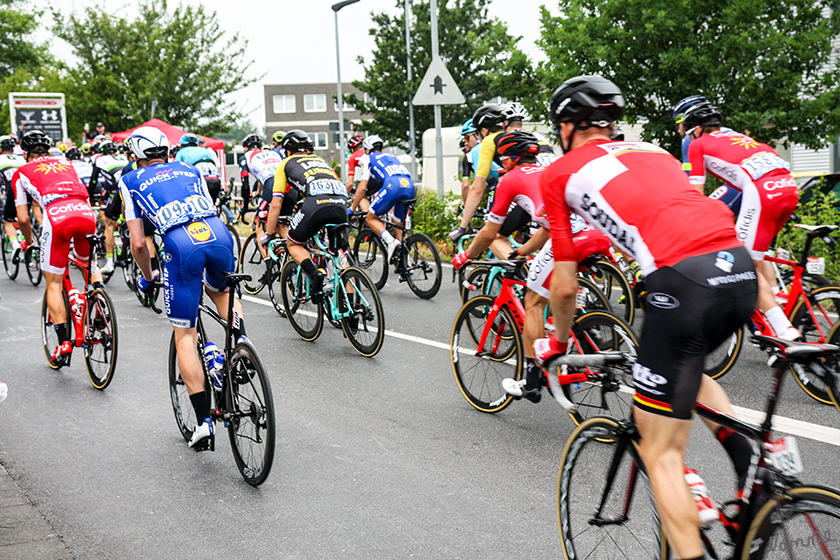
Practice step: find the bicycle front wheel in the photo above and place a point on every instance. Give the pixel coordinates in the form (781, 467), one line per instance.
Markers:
(721, 359)
(611, 391)
(9, 257)
(805, 524)
(602, 517)
(32, 259)
(479, 370)
(816, 326)
(251, 426)
(275, 293)
(49, 338)
(100, 339)
(251, 263)
(365, 328)
(475, 277)
(370, 255)
(422, 266)
(305, 316)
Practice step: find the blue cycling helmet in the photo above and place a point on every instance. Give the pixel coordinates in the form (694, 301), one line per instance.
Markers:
(684, 104)
(467, 127)
(188, 139)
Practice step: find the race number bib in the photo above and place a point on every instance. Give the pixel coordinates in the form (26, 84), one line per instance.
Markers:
(177, 212)
(762, 163)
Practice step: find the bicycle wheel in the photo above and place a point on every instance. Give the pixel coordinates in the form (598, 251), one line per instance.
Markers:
(591, 299)
(612, 394)
(422, 266)
(479, 370)
(365, 328)
(274, 290)
(100, 339)
(370, 255)
(475, 277)
(305, 316)
(721, 359)
(8, 258)
(237, 242)
(127, 266)
(815, 326)
(613, 284)
(32, 261)
(49, 338)
(251, 263)
(251, 427)
(178, 393)
(602, 517)
(804, 524)
(136, 275)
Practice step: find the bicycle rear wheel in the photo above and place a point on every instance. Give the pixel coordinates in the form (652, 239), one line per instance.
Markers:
(370, 255)
(612, 393)
(32, 260)
(100, 339)
(365, 328)
(8, 258)
(237, 242)
(422, 266)
(305, 316)
(613, 284)
(49, 338)
(805, 524)
(251, 263)
(479, 371)
(251, 427)
(815, 326)
(178, 393)
(598, 522)
(275, 293)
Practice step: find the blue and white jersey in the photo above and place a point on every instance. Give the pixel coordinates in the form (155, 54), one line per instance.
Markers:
(382, 166)
(169, 194)
(202, 158)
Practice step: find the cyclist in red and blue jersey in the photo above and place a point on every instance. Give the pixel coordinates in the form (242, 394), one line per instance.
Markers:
(198, 247)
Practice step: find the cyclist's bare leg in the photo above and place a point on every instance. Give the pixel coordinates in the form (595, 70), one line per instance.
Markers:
(55, 298)
(186, 345)
(220, 300)
(534, 326)
(766, 282)
(712, 394)
(109, 236)
(662, 447)
(297, 252)
(260, 232)
(11, 232)
(378, 227)
(36, 210)
(501, 247)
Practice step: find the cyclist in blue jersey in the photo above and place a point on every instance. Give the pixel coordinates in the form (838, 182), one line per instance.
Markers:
(204, 160)
(174, 197)
(397, 187)
(277, 138)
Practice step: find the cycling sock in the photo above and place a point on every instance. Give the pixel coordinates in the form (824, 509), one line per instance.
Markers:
(533, 374)
(386, 237)
(110, 257)
(701, 557)
(739, 449)
(61, 331)
(200, 405)
(309, 268)
(777, 319)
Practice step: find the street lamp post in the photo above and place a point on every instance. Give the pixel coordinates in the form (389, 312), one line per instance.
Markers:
(335, 8)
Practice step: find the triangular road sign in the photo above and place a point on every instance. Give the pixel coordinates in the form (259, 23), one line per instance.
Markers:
(438, 87)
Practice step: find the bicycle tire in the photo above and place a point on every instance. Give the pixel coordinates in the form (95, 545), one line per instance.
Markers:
(137, 274)
(832, 364)
(251, 428)
(807, 516)
(365, 329)
(251, 263)
(613, 284)
(591, 299)
(298, 304)
(583, 473)
(100, 339)
(613, 396)
(49, 338)
(476, 278)
(825, 302)
(370, 255)
(421, 262)
(127, 266)
(8, 257)
(32, 260)
(720, 360)
(479, 377)
(178, 392)
(237, 242)
(274, 290)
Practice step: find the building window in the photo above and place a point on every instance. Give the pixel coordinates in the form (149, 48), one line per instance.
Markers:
(315, 103)
(319, 140)
(284, 103)
(347, 107)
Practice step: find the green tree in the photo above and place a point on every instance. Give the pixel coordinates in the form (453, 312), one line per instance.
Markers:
(472, 45)
(18, 19)
(763, 62)
(176, 63)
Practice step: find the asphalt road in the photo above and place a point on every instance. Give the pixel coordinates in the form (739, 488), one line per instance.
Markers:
(375, 458)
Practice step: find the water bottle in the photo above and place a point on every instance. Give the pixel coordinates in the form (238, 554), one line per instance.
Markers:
(118, 242)
(342, 258)
(215, 360)
(75, 302)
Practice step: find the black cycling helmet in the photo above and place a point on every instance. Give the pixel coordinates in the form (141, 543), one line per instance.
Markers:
(683, 105)
(701, 114)
(585, 101)
(252, 141)
(296, 141)
(73, 153)
(354, 142)
(491, 117)
(33, 139)
(7, 143)
(617, 135)
(516, 144)
(108, 147)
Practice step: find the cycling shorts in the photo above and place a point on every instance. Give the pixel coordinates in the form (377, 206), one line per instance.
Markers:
(113, 207)
(316, 212)
(148, 227)
(9, 209)
(691, 308)
(394, 191)
(67, 220)
(214, 187)
(516, 219)
(587, 242)
(766, 205)
(201, 249)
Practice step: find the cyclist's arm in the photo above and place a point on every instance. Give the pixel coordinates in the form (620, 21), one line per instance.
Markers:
(483, 240)
(22, 208)
(281, 187)
(476, 192)
(535, 243)
(697, 166)
(139, 248)
(360, 194)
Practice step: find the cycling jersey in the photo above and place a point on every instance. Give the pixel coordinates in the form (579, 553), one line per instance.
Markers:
(83, 170)
(308, 174)
(262, 164)
(202, 158)
(8, 164)
(110, 169)
(465, 168)
(545, 151)
(494, 168)
(487, 155)
(522, 187)
(354, 162)
(279, 151)
(397, 186)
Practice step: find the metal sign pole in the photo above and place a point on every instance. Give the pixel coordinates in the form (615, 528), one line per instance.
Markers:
(438, 138)
(411, 147)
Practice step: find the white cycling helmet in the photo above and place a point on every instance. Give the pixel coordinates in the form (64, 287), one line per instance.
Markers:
(372, 142)
(514, 111)
(147, 142)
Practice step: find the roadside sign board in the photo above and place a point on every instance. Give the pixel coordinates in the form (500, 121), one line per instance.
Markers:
(41, 111)
(438, 87)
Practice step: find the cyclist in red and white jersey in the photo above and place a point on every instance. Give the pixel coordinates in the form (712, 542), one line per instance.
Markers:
(520, 188)
(262, 164)
(769, 194)
(354, 144)
(53, 183)
(701, 282)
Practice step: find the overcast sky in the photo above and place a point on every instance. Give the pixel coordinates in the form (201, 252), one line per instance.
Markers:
(306, 29)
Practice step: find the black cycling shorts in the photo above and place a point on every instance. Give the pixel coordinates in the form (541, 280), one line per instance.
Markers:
(316, 212)
(214, 187)
(9, 210)
(692, 307)
(113, 208)
(148, 226)
(516, 219)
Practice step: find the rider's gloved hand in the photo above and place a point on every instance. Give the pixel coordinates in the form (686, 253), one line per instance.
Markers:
(459, 260)
(264, 240)
(350, 212)
(515, 255)
(547, 348)
(457, 234)
(146, 286)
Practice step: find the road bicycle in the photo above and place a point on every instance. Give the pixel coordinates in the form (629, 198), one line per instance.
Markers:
(91, 324)
(264, 271)
(605, 506)
(12, 258)
(122, 256)
(229, 219)
(486, 347)
(811, 310)
(348, 299)
(416, 262)
(158, 257)
(244, 403)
